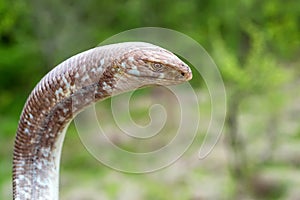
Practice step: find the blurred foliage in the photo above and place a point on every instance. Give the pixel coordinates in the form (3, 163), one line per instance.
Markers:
(256, 45)
(35, 35)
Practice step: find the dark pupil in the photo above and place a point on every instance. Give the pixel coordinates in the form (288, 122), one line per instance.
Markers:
(157, 67)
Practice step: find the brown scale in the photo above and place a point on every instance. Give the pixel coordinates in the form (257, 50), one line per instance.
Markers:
(52, 105)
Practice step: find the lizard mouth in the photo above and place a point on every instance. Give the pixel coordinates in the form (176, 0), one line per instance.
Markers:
(178, 76)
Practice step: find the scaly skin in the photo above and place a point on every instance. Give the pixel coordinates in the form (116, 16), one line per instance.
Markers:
(83, 79)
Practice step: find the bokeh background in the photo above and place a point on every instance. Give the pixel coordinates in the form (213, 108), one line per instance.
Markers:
(255, 44)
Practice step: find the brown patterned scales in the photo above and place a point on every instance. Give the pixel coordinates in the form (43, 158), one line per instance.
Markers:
(71, 86)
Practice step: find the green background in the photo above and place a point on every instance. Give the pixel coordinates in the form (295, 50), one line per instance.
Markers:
(254, 43)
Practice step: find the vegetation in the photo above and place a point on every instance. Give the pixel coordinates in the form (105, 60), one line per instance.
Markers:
(254, 43)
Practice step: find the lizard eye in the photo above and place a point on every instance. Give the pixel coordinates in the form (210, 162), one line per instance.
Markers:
(157, 67)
